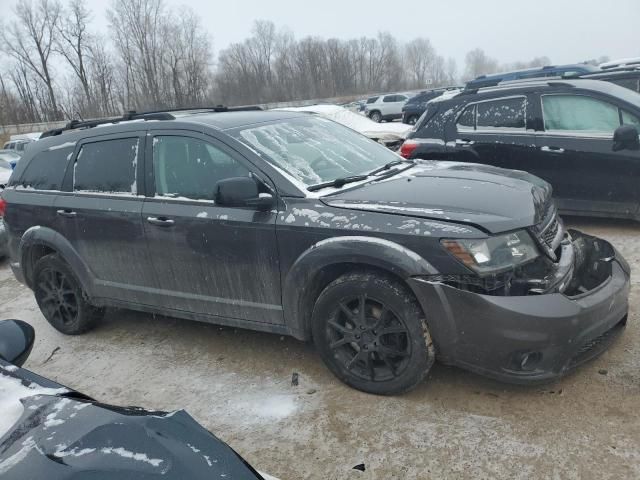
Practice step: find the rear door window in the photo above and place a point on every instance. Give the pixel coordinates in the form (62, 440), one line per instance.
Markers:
(508, 113)
(579, 113)
(46, 169)
(107, 166)
(189, 167)
(467, 119)
(390, 98)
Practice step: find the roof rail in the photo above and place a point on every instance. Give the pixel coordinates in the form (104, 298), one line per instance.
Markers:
(166, 114)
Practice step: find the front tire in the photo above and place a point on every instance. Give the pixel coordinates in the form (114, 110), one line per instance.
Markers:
(61, 298)
(412, 119)
(371, 333)
(376, 116)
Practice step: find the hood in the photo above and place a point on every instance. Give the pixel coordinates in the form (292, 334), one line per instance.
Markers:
(5, 174)
(493, 199)
(62, 434)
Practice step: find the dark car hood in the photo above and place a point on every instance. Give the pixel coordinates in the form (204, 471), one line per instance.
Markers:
(67, 436)
(490, 198)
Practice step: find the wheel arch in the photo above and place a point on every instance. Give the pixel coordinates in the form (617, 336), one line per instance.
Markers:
(38, 241)
(330, 258)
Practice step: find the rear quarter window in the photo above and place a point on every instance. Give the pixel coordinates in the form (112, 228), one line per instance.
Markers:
(107, 166)
(45, 170)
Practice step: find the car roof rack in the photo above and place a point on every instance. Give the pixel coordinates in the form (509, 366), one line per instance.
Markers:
(165, 114)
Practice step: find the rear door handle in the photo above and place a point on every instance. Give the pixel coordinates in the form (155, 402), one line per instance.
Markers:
(546, 148)
(67, 213)
(461, 142)
(160, 221)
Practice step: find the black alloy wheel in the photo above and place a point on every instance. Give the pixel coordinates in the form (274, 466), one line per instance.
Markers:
(369, 339)
(60, 297)
(371, 332)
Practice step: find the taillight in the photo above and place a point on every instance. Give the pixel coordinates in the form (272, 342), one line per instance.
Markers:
(407, 148)
(3, 206)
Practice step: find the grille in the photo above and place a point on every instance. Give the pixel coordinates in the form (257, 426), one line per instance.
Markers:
(549, 233)
(597, 345)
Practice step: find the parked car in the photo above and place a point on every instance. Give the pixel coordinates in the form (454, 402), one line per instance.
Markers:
(548, 71)
(17, 145)
(390, 135)
(628, 77)
(10, 156)
(415, 106)
(293, 224)
(579, 135)
(50, 431)
(385, 107)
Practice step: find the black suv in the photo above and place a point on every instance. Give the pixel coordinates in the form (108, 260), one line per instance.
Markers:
(627, 77)
(416, 106)
(579, 135)
(293, 224)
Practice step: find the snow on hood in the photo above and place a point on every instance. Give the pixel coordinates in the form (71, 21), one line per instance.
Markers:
(384, 131)
(11, 392)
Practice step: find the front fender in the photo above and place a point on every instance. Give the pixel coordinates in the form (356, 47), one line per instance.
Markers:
(366, 251)
(44, 236)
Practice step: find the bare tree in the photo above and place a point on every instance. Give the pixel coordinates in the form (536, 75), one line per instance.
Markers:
(478, 63)
(30, 41)
(419, 58)
(73, 44)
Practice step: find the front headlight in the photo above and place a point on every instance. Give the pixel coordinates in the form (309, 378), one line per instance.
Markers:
(494, 254)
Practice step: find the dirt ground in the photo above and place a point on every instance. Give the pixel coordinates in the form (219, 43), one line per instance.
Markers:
(455, 425)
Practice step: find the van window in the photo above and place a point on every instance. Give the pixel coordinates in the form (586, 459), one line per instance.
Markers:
(504, 113)
(189, 167)
(107, 166)
(45, 170)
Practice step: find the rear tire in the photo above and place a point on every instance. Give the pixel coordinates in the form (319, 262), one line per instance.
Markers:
(60, 297)
(371, 332)
(376, 116)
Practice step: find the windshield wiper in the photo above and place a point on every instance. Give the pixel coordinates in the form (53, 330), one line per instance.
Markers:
(387, 166)
(338, 182)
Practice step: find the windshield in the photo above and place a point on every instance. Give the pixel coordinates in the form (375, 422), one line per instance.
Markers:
(314, 150)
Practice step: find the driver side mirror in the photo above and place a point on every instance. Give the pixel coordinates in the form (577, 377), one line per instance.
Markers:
(242, 192)
(626, 137)
(16, 341)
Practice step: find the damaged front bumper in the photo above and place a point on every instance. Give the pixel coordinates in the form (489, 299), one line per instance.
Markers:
(567, 318)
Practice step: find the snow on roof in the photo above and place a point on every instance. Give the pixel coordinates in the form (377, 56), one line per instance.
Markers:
(620, 62)
(357, 122)
(446, 95)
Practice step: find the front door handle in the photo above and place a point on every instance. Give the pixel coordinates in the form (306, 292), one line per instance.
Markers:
(463, 142)
(548, 149)
(67, 213)
(160, 221)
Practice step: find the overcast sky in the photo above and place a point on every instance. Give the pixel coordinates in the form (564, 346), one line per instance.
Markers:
(510, 30)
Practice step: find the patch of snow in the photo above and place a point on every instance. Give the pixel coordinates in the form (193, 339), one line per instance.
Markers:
(28, 445)
(139, 457)
(11, 391)
(266, 476)
(62, 145)
(202, 215)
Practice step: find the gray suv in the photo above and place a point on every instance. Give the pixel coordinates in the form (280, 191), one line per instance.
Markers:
(292, 224)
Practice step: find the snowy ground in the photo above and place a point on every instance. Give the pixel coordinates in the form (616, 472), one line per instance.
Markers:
(456, 425)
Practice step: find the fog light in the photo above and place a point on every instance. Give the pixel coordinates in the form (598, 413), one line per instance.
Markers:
(526, 361)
